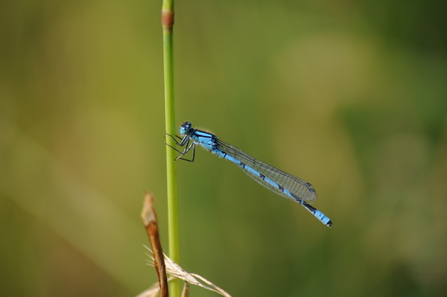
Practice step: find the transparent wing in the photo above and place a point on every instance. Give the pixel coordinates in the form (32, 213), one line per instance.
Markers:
(298, 187)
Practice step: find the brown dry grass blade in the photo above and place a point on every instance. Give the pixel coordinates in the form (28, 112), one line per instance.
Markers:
(149, 218)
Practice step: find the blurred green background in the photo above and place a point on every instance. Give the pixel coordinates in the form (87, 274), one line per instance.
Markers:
(349, 95)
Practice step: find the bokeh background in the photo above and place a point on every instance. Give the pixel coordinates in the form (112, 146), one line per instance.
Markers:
(349, 95)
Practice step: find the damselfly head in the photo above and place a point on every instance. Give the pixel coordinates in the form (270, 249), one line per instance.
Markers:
(185, 127)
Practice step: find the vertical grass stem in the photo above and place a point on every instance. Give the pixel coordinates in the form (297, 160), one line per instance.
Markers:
(168, 64)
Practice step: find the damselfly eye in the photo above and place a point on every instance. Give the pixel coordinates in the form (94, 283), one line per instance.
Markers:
(185, 127)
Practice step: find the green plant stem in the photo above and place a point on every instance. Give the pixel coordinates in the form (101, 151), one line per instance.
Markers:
(168, 64)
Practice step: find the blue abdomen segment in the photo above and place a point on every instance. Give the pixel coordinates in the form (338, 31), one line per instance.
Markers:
(318, 214)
